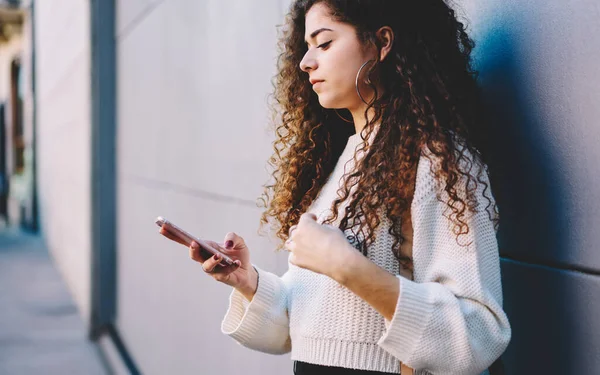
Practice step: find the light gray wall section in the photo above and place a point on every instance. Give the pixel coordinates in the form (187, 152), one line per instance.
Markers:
(188, 64)
(193, 80)
(62, 42)
(541, 77)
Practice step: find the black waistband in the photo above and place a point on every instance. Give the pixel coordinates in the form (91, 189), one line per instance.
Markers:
(303, 368)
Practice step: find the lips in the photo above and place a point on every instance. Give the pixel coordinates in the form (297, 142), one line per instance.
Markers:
(316, 84)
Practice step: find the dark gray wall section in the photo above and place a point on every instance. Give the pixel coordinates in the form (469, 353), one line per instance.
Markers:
(539, 68)
(103, 78)
(554, 318)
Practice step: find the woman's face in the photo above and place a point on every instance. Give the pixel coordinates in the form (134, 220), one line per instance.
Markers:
(333, 59)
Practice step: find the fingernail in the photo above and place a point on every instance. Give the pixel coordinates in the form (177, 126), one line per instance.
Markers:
(229, 244)
(237, 263)
(217, 256)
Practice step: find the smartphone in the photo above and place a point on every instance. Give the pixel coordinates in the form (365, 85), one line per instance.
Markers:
(206, 249)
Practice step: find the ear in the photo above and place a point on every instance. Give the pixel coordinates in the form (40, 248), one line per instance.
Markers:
(385, 35)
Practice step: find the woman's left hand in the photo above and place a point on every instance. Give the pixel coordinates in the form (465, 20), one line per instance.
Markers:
(320, 248)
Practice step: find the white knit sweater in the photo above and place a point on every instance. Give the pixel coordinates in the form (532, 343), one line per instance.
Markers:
(449, 320)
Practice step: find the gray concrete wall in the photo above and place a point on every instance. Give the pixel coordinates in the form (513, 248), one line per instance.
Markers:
(193, 80)
(539, 68)
(193, 77)
(63, 131)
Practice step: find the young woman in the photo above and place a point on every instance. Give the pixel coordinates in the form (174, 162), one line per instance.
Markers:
(381, 194)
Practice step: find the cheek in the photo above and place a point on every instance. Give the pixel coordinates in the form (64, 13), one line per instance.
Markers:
(339, 88)
(342, 69)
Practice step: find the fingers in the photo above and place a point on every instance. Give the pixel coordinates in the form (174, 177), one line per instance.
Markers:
(212, 263)
(308, 216)
(289, 242)
(291, 230)
(172, 237)
(196, 253)
(290, 245)
(233, 241)
(212, 266)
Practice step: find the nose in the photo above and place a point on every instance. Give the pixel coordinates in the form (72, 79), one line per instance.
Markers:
(308, 63)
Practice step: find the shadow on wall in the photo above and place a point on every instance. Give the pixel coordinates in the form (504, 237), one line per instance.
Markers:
(548, 336)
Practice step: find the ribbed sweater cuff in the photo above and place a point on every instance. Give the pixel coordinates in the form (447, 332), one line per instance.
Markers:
(412, 313)
(244, 319)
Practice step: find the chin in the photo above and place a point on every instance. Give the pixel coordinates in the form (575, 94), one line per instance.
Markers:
(329, 103)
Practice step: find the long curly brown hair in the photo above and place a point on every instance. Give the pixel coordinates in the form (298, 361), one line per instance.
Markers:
(430, 99)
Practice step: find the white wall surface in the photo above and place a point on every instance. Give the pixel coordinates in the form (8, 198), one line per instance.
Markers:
(193, 80)
(64, 147)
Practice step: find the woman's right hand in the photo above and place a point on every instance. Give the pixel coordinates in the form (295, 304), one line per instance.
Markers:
(241, 275)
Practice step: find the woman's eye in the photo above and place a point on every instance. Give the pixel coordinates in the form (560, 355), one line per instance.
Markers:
(324, 45)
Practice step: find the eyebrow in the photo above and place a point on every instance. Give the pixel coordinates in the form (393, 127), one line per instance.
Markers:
(317, 32)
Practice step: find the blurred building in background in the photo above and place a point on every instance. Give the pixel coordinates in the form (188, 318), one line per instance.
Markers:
(17, 149)
(130, 109)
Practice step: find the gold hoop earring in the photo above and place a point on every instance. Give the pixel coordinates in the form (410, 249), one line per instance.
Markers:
(356, 81)
(340, 116)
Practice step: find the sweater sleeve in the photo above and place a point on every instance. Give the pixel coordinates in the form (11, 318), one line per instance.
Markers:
(449, 320)
(261, 324)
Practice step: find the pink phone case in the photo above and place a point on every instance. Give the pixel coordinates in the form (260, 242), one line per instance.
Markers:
(188, 238)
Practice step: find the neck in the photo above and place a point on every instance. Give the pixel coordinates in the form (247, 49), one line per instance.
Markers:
(358, 115)
(358, 112)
